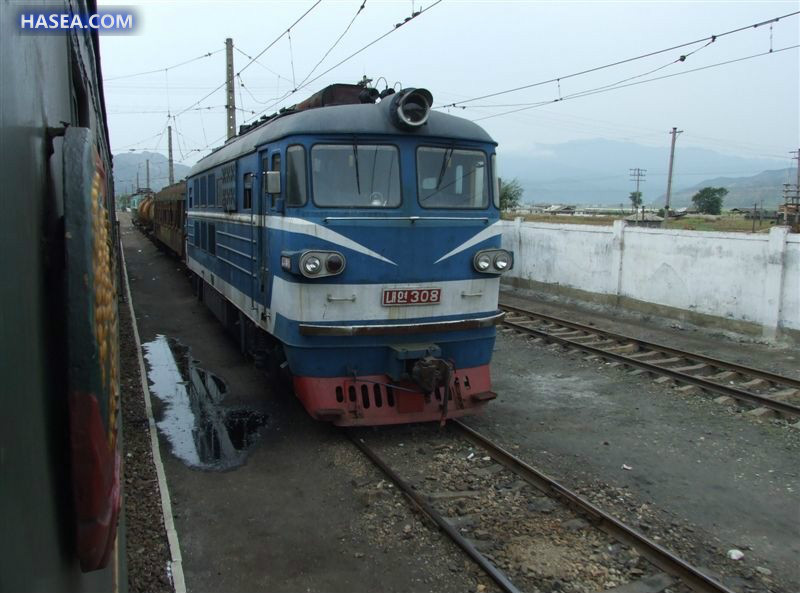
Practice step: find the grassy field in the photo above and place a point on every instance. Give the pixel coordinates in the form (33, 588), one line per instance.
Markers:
(723, 224)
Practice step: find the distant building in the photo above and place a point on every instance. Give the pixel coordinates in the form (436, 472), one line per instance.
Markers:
(646, 219)
(556, 209)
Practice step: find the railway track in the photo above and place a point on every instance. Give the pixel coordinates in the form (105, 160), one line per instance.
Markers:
(768, 392)
(670, 570)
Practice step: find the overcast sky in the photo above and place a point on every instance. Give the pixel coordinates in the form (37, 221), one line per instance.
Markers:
(461, 50)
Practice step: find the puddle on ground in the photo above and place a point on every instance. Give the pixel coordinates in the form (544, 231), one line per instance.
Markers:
(202, 432)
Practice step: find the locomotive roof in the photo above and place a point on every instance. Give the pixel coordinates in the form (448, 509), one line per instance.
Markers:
(341, 119)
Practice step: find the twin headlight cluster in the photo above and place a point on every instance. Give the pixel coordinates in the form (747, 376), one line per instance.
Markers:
(314, 264)
(319, 264)
(493, 261)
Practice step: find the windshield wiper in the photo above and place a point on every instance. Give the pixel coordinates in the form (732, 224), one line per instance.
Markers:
(358, 177)
(445, 160)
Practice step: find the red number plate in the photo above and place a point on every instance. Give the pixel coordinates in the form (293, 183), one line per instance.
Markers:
(411, 296)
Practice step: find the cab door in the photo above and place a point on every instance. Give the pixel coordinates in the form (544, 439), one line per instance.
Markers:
(270, 206)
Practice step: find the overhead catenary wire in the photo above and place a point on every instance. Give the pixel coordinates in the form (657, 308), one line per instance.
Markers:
(558, 79)
(397, 26)
(335, 43)
(267, 68)
(252, 61)
(606, 88)
(165, 69)
(306, 84)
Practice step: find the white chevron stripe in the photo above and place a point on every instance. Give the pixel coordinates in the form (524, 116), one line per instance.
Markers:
(491, 231)
(291, 225)
(306, 227)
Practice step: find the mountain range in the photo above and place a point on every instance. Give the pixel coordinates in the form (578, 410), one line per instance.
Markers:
(585, 172)
(597, 172)
(743, 192)
(128, 164)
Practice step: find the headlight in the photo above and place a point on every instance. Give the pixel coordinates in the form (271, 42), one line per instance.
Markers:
(482, 262)
(410, 108)
(314, 264)
(311, 264)
(493, 261)
(502, 261)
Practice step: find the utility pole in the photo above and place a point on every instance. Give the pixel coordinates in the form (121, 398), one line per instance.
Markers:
(637, 175)
(796, 199)
(171, 163)
(230, 106)
(674, 133)
(148, 174)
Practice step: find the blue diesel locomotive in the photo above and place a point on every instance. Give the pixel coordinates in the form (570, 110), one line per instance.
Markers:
(354, 239)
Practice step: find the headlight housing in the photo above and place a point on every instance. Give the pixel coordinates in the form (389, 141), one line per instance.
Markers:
(493, 261)
(313, 264)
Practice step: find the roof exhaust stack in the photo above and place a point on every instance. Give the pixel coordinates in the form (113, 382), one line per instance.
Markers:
(410, 108)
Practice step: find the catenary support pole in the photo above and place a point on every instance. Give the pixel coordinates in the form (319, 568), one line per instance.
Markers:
(230, 104)
(171, 162)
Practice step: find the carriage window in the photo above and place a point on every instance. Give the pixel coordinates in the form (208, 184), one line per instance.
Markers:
(452, 178)
(212, 191)
(212, 238)
(248, 191)
(295, 176)
(202, 191)
(356, 176)
(197, 233)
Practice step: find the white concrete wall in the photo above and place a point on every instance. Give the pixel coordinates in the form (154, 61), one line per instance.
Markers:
(743, 277)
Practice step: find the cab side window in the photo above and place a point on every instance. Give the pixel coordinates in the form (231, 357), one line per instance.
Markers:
(296, 176)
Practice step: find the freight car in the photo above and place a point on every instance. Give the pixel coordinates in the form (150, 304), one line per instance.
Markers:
(169, 217)
(58, 327)
(353, 240)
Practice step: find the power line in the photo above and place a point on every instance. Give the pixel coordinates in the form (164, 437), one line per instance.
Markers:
(351, 56)
(605, 89)
(709, 39)
(335, 43)
(279, 37)
(267, 68)
(164, 111)
(205, 55)
(261, 53)
(305, 84)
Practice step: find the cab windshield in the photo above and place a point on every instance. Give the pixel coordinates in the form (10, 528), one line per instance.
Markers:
(452, 178)
(356, 175)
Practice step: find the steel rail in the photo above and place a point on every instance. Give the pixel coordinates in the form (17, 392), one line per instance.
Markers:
(722, 364)
(658, 555)
(497, 575)
(698, 381)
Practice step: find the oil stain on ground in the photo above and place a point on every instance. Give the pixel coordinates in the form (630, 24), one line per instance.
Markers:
(202, 432)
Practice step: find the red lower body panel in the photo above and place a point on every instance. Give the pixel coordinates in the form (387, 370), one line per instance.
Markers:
(376, 399)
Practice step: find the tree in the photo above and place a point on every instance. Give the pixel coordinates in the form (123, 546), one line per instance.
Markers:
(709, 199)
(510, 194)
(636, 199)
